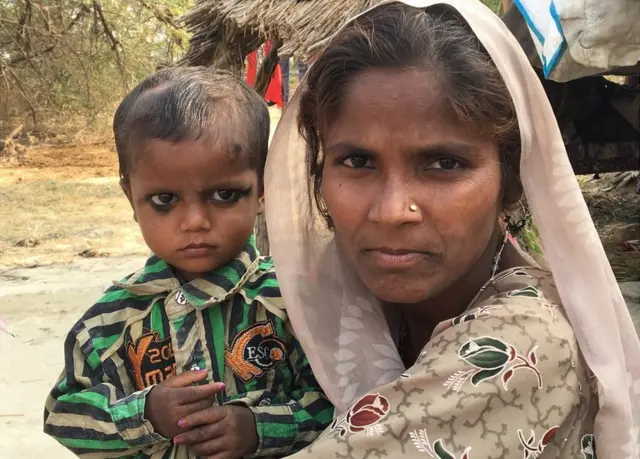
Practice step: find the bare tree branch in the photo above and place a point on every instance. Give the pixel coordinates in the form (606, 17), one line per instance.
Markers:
(163, 15)
(23, 93)
(22, 34)
(71, 58)
(26, 57)
(115, 44)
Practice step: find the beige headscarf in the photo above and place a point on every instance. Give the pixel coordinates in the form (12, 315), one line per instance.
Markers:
(341, 325)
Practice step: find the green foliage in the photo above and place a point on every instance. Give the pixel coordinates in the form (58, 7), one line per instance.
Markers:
(495, 5)
(528, 237)
(77, 57)
(65, 62)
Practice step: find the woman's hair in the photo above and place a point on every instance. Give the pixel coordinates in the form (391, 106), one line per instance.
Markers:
(398, 36)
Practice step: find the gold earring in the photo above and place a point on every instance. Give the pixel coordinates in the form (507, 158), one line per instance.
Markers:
(413, 207)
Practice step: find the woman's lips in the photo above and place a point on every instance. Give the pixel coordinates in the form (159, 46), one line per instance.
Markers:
(386, 258)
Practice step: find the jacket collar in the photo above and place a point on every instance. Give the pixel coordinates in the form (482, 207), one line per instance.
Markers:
(157, 277)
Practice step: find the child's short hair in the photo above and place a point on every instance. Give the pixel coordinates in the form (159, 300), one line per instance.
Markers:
(176, 104)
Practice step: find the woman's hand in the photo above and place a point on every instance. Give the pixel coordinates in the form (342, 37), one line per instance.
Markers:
(220, 432)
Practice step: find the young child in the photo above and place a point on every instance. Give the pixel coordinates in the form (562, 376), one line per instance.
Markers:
(193, 355)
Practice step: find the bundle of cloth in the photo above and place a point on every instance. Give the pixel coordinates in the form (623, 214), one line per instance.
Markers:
(578, 38)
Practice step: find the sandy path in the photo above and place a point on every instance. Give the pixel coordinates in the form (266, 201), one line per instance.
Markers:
(40, 306)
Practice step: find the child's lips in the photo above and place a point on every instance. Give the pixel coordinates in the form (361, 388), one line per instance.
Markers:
(198, 250)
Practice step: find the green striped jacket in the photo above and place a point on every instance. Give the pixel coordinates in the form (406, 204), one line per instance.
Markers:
(232, 322)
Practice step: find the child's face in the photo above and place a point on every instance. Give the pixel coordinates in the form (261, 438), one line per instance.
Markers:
(196, 203)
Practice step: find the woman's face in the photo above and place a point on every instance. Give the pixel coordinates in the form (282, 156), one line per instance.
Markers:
(394, 147)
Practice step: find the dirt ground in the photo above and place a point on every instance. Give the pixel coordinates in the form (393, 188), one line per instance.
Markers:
(41, 305)
(66, 232)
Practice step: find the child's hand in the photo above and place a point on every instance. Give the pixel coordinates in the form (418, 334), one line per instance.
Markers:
(220, 432)
(176, 398)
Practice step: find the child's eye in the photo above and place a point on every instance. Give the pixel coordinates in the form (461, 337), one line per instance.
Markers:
(226, 196)
(446, 164)
(357, 162)
(163, 199)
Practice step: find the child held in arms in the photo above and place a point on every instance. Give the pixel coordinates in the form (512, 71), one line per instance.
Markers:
(193, 355)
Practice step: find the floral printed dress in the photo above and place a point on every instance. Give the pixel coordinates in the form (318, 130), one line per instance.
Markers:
(504, 380)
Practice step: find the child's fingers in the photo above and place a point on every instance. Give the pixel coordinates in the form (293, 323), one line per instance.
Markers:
(201, 434)
(186, 379)
(196, 393)
(210, 415)
(194, 407)
(216, 448)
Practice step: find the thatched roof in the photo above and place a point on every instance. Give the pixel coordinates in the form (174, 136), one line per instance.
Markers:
(222, 28)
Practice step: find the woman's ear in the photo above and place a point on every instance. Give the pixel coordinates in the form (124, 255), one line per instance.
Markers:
(512, 191)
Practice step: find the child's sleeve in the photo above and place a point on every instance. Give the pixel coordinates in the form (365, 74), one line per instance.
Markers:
(286, 426)
(88, 412)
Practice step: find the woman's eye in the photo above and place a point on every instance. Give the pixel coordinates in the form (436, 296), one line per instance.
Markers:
(357, 162)
(446, 164)
(163, 199)
(226, 196)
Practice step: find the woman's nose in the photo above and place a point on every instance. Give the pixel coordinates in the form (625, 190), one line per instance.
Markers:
(393, 204)
(195, 218)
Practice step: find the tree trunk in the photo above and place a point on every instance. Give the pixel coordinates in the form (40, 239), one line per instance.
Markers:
(267, 68)
(263, 78)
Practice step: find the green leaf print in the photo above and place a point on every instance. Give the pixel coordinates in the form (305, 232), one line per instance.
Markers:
(491, 356)
(480, 376)
(486, 353)
(490, 342)
(441, 451)
(488, 360)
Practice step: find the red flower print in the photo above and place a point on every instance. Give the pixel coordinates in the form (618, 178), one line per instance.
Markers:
(548, 436)
(367, 411)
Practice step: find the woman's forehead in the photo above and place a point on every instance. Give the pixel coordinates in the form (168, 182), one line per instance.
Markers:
(388, 86)
(396, 106)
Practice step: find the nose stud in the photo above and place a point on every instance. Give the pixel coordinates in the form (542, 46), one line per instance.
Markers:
(413, 207)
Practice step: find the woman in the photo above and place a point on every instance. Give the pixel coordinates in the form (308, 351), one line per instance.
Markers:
(420, 127)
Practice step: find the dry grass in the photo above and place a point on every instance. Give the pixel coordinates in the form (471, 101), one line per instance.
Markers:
(64, 201)
(46, 221)
(304, 26)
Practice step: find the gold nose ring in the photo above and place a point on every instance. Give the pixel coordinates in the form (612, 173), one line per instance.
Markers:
(413, 207)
